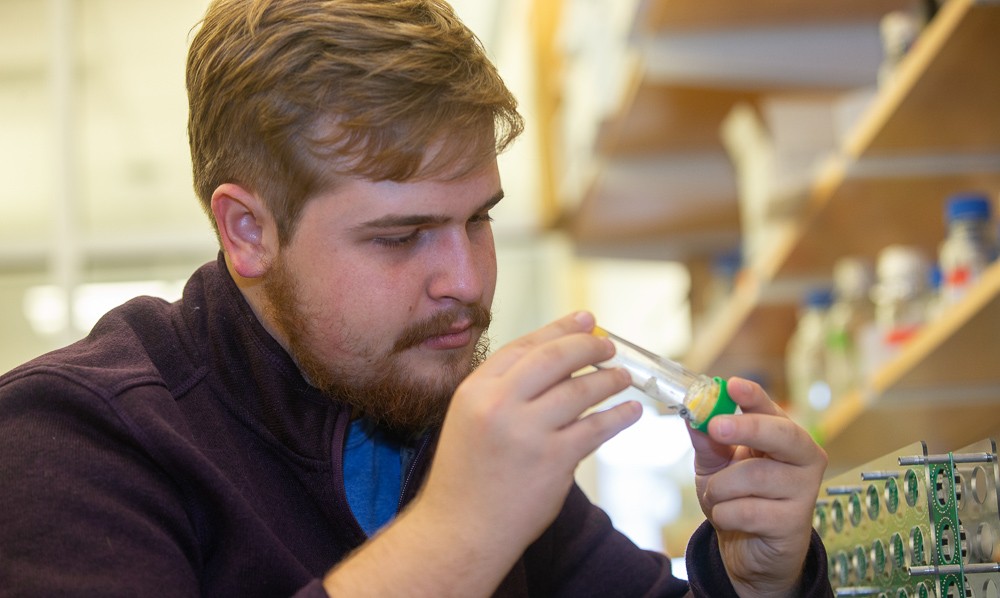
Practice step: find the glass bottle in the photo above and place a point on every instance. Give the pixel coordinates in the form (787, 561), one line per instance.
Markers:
(805, 360)
(968, 247)
(901, 297)
(850, 325)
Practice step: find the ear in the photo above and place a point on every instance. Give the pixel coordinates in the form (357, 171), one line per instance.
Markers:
(248, 232)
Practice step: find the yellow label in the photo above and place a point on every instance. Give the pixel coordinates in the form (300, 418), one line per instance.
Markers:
(701, 404)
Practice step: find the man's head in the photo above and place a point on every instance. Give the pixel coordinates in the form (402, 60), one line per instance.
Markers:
(346, 150)
(289, 96)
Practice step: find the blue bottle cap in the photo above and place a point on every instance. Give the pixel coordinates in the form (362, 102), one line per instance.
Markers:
(967, 206)
(819, 297)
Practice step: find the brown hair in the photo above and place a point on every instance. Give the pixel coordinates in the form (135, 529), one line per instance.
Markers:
(288, 95)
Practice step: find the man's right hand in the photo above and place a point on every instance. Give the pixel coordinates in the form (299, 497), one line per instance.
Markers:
(514, 434)
(518, 427)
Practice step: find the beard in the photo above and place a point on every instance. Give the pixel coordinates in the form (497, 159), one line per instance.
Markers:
(383, 388)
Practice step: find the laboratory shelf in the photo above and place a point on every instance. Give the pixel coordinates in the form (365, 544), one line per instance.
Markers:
(943, 387)
(860, 204)
(697, 60)
(666, 117)
(932, 131)
(946, 93)
(664, 15)
(747, 336)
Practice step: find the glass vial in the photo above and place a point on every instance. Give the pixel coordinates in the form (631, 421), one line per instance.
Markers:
(968, 247)
(901, 295)
(695, 397)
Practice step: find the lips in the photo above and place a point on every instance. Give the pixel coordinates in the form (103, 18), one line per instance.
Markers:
(452, 329)
(456, 338)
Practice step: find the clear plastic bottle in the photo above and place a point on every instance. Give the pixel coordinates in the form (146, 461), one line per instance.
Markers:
(850, 325)
(805, 360)
(969, 246)
(898, 30)
(901, 296)
(695, 397)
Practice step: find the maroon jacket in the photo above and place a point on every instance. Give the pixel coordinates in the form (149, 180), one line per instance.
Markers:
(177, 451)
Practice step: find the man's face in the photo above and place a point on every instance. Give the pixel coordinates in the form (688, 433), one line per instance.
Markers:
(383, 294)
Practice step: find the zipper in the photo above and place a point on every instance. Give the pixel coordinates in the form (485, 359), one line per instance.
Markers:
(411, 469)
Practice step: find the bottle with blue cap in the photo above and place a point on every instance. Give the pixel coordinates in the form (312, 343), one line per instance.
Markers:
(969, 245)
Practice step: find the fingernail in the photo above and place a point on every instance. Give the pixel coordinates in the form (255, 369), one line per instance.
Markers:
(584, 317)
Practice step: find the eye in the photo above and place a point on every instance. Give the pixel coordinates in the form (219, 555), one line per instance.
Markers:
(397, 240)
(481, 218)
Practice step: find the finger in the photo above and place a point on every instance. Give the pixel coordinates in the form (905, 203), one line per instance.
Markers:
(565, 402)
(511, 353)
(710, 453)
(751, 397)
(774, 435)
(586, 434)
(753, 515)
(554, 361)
(763, 478)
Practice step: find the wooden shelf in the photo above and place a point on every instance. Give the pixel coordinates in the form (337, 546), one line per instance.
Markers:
(674, 118)
(677, 207)
(674, 15)
(659, 117)
(892, 201)
(749, 335)
(933, 131)
(945, 96)
(668, 128)
(942, 388)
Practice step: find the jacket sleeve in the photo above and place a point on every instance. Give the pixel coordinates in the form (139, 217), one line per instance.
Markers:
(582, 554)
(83, 512)
(704, 562)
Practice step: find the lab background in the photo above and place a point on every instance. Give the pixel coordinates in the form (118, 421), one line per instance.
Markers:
(690, 172)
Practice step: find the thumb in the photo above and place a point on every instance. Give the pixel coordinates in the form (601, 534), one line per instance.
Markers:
(710, 455)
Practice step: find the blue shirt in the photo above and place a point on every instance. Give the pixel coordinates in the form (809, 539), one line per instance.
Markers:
(372, 474)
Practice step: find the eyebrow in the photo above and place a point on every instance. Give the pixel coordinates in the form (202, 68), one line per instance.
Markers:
(402, 220)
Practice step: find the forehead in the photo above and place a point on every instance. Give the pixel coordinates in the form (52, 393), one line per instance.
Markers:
(357, 200)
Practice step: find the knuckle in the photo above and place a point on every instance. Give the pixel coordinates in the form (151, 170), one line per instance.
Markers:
(549, 352)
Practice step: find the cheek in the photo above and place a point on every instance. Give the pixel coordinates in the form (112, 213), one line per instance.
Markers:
(489, 269)
(374, 304)
(490, 285)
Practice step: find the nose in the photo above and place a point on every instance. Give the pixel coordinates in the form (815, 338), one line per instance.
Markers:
(462, 268)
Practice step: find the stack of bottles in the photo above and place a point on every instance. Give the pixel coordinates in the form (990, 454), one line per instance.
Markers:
(848, 331)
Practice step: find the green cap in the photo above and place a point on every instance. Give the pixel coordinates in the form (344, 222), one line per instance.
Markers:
(724, 405)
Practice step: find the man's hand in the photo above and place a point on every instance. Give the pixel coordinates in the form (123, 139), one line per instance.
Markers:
(514, 434)
(518, 427)
(757, 477)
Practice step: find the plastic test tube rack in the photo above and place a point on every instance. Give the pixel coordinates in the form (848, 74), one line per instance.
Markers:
(913, 525)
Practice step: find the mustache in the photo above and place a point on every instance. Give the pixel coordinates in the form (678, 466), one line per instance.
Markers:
(441, 323)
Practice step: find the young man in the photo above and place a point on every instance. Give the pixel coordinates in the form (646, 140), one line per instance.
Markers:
(317, 415)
